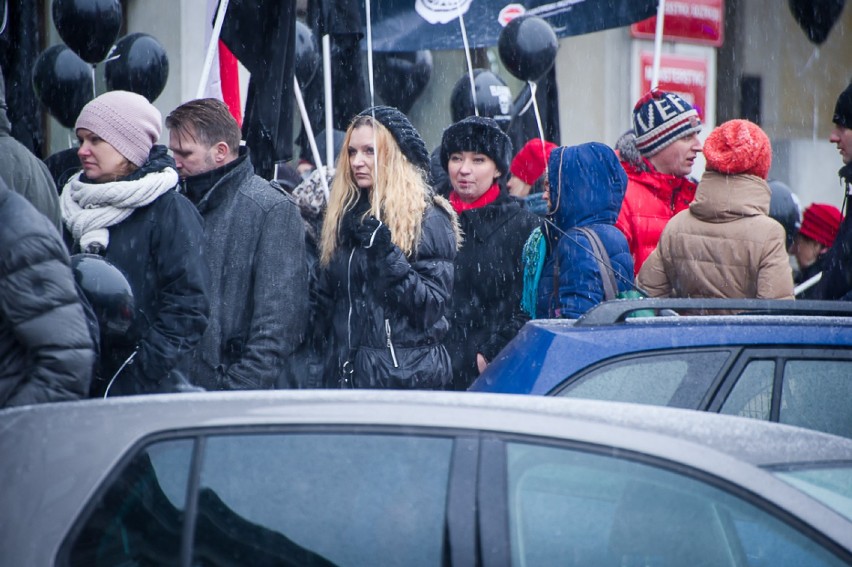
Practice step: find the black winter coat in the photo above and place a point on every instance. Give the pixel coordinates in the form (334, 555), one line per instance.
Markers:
(836, 282)
(159, 248)
(395, 330)
(489, 283)
(46, 352)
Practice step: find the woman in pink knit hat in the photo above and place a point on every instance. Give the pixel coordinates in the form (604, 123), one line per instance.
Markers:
(725, 245)
(820, 224)
(123, 206)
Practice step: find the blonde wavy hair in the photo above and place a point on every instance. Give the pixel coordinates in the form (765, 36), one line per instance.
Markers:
(399, 196)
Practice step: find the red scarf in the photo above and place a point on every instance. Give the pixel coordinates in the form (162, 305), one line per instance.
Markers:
(488, 197)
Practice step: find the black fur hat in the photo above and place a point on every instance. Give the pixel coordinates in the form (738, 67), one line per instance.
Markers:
(410, 142)
(477, 134)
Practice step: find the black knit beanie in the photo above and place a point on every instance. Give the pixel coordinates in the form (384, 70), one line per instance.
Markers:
(843, 108)
(477, 134)
(410, 143)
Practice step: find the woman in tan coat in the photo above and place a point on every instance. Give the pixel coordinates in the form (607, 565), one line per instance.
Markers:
(725, 245)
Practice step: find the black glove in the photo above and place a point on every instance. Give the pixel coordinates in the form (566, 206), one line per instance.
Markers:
(371, 234)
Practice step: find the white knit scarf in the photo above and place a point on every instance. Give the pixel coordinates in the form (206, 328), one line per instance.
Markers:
(89, 208)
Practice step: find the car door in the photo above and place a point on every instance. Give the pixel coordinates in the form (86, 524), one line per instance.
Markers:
(292, 496)
(807, 387)
(574, 505)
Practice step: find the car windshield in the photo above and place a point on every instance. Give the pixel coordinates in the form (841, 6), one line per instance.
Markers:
(831, 485)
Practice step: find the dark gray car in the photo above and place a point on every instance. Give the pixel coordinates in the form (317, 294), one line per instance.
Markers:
(389, 478)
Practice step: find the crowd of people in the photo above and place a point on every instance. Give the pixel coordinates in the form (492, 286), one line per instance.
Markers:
(412, 271)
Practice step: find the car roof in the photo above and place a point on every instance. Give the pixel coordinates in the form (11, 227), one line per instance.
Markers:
(630, 426)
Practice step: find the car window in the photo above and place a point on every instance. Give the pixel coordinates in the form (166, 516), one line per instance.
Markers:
(816, 394)
(831, 485)
(264, 499)
(569, 507)
(679, 379)
(751, 396)
(139, 519)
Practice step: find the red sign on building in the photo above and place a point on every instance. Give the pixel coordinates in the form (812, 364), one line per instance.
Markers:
(686, 76)
(691, 21)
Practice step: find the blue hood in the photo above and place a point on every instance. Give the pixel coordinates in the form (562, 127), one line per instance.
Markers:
(592, 188)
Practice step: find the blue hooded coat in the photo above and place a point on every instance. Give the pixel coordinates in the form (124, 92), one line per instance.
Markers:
(587, 186)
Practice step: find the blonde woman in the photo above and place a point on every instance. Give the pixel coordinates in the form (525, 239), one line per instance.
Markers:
(386, 260)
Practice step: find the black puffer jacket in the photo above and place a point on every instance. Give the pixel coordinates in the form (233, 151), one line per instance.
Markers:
(46, 352)
(159, 248)
(836, 282)
(489, 283)
(395, 331)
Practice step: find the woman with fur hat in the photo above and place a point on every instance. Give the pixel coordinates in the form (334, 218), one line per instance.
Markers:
(486, 314)
(123, 206)
(386, 252)
(725, 245)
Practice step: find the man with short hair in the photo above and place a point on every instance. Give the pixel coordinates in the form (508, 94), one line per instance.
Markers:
(658, 155)
(255, 249)
(836, 282)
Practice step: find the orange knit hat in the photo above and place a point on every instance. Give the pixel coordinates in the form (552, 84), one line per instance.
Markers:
(738, 146)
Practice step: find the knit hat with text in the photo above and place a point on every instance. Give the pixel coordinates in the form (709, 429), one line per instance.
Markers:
(738, 147)
(530, 161)
(126, 121)
(821, 223)
(660, 118)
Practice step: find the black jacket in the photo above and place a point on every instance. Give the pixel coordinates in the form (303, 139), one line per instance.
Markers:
(46, 352)
(159, 248)
(836, 282)
(395, 330)
(486, 307)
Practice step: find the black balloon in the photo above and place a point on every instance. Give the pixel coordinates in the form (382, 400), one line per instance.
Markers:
(63, 83)
(307, 54)
(88, 27)
(138, 64)
(402, 76)
(527, 47)
(108, 292)
(816, 17)
(493, 98)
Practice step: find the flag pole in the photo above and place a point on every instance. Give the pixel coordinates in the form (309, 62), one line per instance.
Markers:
(306, 122)
(329, 123)
(211, 48)
(658, 44)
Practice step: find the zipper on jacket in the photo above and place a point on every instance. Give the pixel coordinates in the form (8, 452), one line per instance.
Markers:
(390, 343)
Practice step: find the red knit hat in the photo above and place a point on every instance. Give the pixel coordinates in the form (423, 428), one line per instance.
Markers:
(738, 146)
(821, 223)
(529, 163)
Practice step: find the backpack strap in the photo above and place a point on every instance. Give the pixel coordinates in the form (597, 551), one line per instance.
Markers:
(604, 267)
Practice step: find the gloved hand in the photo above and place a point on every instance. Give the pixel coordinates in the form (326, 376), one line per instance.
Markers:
(372, 234)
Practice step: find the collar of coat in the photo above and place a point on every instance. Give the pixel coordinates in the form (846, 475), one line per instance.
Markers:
(724, 198)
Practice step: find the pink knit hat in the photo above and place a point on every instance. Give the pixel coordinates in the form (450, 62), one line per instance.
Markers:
(738, 146)
(529, 163)
(821, 223)
(126, 121)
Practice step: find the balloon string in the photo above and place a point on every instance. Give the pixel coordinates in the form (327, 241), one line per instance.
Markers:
(533, 89)
(469, 63)
(372, 96)
(94, 89)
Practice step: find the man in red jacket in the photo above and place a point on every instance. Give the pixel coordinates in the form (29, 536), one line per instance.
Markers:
(657, 155)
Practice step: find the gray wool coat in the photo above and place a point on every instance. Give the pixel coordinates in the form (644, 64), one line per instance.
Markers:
(254, 243)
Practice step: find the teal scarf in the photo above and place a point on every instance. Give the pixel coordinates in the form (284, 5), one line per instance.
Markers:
(535, 251)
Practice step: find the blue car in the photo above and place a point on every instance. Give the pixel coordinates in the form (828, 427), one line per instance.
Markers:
(783, 361)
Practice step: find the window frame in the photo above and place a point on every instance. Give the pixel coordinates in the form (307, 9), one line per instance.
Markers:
(460, 529)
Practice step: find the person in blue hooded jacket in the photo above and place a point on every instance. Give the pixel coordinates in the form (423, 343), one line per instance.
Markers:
(585, 185)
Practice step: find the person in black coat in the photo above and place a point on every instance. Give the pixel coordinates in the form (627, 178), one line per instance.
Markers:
(486, 304)
(46, 351)
(386, 256)
(124, 206)
(836, 282)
